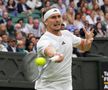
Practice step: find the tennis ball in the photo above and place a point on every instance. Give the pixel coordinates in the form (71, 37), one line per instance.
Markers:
(40, 61)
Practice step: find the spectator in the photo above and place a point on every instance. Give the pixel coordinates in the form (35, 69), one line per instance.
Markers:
(104, 7)
(72, 5)
(12, 45)
(2, 47)
(28, 25)
(2, 7)
(62, 26)
(100, 30)
(98, 12)
(87, 26)
(106, 21)
(34, 4)
(31, 4)
(46, 6)
(10, 28)
(80, 4)
(34, 40)
(71, 27)
(84, 10)
(90, 17)
(38, 4)
(77, 32)
(5, 16)
(77, 22)
(21, 22)
(88, 6)
(36, 30)
(98, 19)
(61, 6)
(3, 29)
(65, 19)
(42, 26)
(28, 38)
(66, 3)
(23, 7)
(21, 46)
(5, 2)
(18, 32)
(100, 2)
(70, 15)
(83, 19)
(29, 47)
(11, 6)
(5, 39)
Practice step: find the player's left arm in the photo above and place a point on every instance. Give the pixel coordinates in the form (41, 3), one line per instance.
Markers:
(86, 43)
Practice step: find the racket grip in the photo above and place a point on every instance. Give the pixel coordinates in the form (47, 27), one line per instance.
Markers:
(54, 58)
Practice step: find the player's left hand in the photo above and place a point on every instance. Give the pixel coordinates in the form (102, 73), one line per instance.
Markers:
(89, 35)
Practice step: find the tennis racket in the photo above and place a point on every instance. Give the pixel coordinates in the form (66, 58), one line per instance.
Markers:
(31, 71)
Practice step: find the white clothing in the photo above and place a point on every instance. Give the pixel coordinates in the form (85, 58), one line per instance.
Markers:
(27, 28)
(66, 2)
(57, 76)
(36, 32)
(100, 2)
(3, 48)
(90, 20)
(24, 8)
(78, 24)
(14, 49)
(75, 2)
(34, 3)
(31, 4)
(38, 3)
(62, 8)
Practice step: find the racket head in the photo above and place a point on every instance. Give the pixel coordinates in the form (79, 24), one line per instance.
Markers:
(30, 69)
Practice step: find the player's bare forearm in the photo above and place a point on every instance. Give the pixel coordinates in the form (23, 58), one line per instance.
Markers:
(86, 43)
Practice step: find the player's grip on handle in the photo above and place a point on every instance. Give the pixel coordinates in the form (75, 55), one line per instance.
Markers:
(54, 58)
(57, 58)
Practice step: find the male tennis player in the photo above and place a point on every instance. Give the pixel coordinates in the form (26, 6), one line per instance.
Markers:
(56, 42)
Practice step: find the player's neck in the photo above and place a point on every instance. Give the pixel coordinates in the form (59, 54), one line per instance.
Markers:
(55, 32)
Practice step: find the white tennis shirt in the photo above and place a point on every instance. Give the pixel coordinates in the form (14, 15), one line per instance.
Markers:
(57, 76)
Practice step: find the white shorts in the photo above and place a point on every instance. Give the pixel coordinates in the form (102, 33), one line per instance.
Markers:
(55, 86)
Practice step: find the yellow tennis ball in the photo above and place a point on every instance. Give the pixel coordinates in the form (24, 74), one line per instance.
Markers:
(40, 61)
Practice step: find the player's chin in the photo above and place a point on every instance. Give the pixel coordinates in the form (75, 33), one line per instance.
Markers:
(57, 28)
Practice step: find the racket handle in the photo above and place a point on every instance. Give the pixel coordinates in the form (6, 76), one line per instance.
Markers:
(54, 58)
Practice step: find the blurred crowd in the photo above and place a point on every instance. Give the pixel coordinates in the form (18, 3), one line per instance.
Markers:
(21, 23)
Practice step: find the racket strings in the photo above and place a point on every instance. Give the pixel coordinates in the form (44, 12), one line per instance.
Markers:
(41, 70)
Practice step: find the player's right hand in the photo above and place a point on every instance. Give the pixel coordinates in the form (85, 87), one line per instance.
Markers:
(60, 57)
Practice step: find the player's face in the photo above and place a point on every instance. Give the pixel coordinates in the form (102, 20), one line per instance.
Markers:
(54, 22)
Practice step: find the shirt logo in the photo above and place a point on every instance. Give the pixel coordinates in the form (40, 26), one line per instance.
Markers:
(63, 43)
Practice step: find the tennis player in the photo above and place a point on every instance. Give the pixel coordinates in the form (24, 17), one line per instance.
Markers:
(56, 42)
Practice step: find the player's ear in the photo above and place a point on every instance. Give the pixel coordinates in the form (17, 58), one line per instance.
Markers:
(46, 23)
